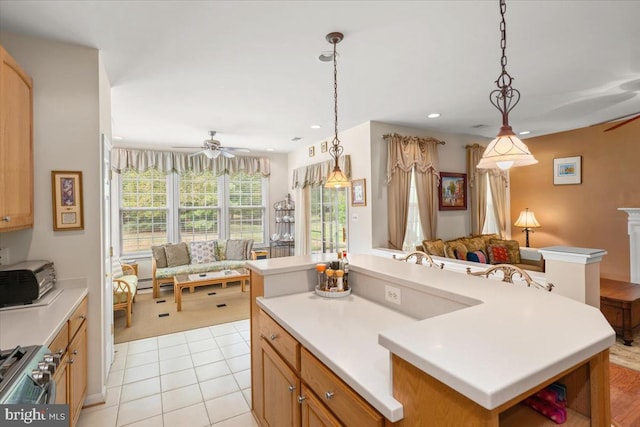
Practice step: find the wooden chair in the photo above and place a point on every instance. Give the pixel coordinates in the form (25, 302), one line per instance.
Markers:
(125, 288)
(508, 271)
(420, 256)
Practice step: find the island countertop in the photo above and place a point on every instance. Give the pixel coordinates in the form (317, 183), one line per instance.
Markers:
(503, 339)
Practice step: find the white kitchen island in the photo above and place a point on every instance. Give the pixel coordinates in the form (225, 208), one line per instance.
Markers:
(458, 350)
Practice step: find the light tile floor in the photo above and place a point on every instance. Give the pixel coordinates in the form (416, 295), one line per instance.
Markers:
(196, 378)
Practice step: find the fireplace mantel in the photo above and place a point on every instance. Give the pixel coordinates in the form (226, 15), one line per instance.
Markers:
(634, 242)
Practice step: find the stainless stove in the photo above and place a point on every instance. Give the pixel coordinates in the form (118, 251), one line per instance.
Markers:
(26, 375)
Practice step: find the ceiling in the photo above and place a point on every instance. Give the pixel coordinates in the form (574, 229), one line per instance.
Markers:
(249, 69)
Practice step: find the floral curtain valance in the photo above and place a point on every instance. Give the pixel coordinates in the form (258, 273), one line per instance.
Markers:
(123, 159)
(406, 151)
(317, 173)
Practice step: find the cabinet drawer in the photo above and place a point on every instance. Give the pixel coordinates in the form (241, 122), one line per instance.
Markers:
(280, 339)
(78, 316)
(347, 405)
(59, 343)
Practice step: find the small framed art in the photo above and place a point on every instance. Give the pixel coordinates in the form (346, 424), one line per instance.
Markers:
(567, 170)
(358, 192)
(452, 195)
(324, 146)
(312, 151)
(66, 192)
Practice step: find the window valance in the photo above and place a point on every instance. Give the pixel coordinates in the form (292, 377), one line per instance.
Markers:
(316, 174)
(406, 151)
(123, 159)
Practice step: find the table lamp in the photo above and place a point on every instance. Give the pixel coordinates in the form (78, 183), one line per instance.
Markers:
(528, 221)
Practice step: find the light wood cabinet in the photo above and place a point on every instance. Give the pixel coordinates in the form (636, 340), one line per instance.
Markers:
(314, 413)
(281, 386)
(71, 375)
(16, 145)
(296, 389)
(77, 372)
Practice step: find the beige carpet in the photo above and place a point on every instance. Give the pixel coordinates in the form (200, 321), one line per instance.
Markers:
(198, 310)
(624, 355)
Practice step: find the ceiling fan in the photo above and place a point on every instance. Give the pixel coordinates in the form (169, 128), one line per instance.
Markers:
(212, 148)
(632, 117)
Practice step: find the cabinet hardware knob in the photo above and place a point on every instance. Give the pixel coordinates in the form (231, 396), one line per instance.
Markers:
(273, 337)
(71, 361)
(291, 388)
(75, 352)
(329, 394)
(6, 218)
(301, 399)
(82, 316)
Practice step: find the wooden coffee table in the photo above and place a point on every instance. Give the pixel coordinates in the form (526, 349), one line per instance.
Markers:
(191, 281)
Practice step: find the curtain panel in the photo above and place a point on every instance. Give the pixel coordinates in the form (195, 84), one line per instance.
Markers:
(477, 188)
(317, 173)
(407, 153)
(123, 159)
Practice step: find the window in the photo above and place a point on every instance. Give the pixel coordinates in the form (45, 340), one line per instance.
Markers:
(490, 222)
(143, 210)
(328, 219)
(206, 207)
(414, 235)
(199, 212)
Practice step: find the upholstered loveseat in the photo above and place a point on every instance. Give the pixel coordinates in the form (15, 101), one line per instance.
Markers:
(485, 249)
(169, 260)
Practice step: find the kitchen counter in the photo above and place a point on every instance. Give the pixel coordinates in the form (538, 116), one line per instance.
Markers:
(492, 342)
(38, 325)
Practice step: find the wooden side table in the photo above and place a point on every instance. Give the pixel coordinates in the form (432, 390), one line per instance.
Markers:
(620, 304)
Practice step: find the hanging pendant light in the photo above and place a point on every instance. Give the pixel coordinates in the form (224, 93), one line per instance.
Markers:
(336, 178)
(506, 150)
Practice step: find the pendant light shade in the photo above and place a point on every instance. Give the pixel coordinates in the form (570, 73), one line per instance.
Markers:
(336, 179)
(506, 150)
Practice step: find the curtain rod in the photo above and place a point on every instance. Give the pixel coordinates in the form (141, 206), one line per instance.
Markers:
(417, 137)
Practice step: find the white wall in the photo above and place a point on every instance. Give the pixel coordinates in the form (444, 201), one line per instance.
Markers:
(66, 137)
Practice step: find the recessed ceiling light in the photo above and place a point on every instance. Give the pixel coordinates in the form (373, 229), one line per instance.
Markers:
(524, 132)
(117, 138)
(433, 115)
(315, 126)
(269, 149)
(296, 138)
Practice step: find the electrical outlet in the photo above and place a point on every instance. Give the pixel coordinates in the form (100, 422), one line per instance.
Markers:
(392, 294)
(4, 256)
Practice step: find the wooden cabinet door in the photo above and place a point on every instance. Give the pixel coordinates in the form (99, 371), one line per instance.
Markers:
(77, 354)
(16, 145)
(314, 413)
(280, 390)
(60, 377)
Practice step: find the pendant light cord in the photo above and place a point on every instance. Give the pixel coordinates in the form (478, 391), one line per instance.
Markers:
(505, 97)
(336, 149)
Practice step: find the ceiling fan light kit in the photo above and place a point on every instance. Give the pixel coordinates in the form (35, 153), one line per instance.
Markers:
(212, 148)
(506, 150)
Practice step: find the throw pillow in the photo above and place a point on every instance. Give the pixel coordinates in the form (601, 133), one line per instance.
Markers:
(475, 244)
(202, 252)
(177, 254)
(459, 250)
(461, 254)
(477, 256)
(434, 247)
(513, 248)
(498, 254)
(235, 249)
(452, 245)
(159, 255)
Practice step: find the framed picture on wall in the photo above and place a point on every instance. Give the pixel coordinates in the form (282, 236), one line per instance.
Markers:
(567, 170)
(66, 191)
(358, 192)
(452, 194)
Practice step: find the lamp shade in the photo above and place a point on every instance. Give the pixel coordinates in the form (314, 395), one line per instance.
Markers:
(506, 151)
(527, 219)
(337, 179)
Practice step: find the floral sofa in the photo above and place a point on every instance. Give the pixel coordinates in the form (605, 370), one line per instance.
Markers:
(485, 249)
(170, 260)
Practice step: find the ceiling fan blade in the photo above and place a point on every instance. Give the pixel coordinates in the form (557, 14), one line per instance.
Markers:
(623, 123)
(227, 154)
(237, 149)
